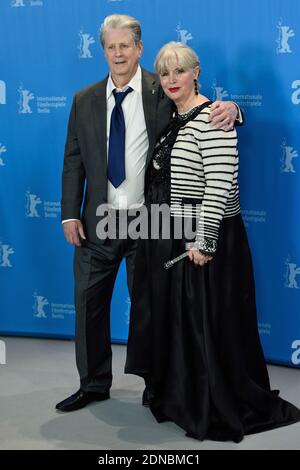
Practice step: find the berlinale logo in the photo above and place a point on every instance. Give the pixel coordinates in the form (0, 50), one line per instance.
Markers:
(2, 92)
(25, 96)
(39, 304)
(291, 274)
(17, 3)
(5, 252)
(288, 155)
(219, 92)
(32, 201)
(22, 3)
(296, 94)
(284, 34)
(84, 46)
(2, 352)
(296, 354)
(183, 35)
(3, 149)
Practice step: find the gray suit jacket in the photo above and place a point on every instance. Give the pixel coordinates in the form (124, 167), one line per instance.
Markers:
(84, 178)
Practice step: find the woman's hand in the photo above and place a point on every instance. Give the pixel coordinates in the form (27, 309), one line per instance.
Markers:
(198, 257)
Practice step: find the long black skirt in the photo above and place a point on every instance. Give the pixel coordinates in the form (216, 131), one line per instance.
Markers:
(194, 338)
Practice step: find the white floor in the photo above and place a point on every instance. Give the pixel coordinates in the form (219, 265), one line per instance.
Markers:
(40, 372)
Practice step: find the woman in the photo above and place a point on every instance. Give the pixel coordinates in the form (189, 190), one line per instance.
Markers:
(193, 334)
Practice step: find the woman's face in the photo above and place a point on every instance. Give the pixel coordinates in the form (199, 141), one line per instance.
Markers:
(178, 84)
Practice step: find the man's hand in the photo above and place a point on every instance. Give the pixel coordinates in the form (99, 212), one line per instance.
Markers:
(73, 231)
(223, 115)
(198, 257)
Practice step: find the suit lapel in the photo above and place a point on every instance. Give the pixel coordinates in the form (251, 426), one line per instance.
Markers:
(150, 96)
(99, 112)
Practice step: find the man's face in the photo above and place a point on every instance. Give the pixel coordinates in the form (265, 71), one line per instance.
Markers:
(121, 54)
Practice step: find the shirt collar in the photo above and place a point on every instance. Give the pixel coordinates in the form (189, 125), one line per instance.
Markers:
(135, 83)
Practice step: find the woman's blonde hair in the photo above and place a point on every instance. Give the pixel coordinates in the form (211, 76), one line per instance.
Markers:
(176, 54)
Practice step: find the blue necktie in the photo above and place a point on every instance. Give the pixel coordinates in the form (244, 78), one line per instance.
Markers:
(116, 148)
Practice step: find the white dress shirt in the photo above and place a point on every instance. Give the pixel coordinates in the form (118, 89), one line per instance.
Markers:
(130, 193)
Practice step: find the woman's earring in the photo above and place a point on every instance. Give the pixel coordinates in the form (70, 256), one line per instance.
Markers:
(196, 86)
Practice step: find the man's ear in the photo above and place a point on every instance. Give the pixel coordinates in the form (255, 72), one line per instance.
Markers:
(140, 47)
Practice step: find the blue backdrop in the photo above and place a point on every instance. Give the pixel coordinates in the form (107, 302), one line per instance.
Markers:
(49, 49)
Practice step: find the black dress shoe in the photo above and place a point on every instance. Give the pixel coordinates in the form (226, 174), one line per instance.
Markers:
(80, 399)
(146, 397)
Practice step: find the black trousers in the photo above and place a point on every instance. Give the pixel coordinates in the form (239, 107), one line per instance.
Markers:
(95, 271)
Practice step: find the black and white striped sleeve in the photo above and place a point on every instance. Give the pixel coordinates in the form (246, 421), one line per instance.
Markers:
(219, 154)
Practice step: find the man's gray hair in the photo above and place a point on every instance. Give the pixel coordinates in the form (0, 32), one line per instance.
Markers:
(121, 22)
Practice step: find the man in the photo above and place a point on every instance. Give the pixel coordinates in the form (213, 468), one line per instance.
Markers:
(100, 166)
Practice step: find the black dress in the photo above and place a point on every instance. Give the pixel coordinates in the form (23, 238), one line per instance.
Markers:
(193, 333)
